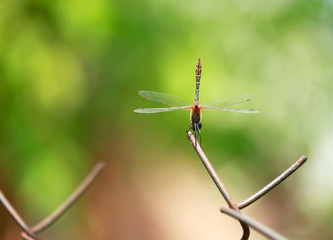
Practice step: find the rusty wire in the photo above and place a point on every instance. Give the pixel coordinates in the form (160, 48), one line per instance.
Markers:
(269, 233)
(234, 209)
(14, 214)
(30, 233)
(218, 182)
(273, 183)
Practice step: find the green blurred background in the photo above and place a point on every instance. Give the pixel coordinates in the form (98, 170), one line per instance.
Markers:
(69, 76)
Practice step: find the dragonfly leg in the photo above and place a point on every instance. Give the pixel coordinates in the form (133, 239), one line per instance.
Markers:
(196, 128)
(193, 127)
(189, 128)
(199, 133)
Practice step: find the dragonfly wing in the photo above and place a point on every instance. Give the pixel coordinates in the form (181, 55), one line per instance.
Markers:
(163, 98)
(157, 110)
(240, 98)
(205, 107)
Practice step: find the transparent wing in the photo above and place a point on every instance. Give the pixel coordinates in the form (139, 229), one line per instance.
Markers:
(163, 98)
(207, 108)
(157, 110)
(240, 98)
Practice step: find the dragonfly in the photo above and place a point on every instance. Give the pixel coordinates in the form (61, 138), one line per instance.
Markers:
(177, 103)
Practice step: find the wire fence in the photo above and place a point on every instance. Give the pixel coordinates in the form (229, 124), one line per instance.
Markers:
(233, 209)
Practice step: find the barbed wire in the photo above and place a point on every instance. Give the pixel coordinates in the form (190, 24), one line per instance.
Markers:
(234, 209)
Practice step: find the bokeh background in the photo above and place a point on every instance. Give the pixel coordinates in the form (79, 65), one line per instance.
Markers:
(69, 76)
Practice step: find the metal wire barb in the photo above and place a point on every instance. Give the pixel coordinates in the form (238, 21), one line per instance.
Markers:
(273, 183)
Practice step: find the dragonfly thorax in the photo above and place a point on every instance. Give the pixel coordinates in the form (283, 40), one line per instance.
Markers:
(196, 118)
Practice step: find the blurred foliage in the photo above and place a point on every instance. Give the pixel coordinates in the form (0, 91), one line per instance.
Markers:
(70, 72)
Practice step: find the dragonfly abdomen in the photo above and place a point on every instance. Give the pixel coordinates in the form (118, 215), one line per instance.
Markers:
(197, 82)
